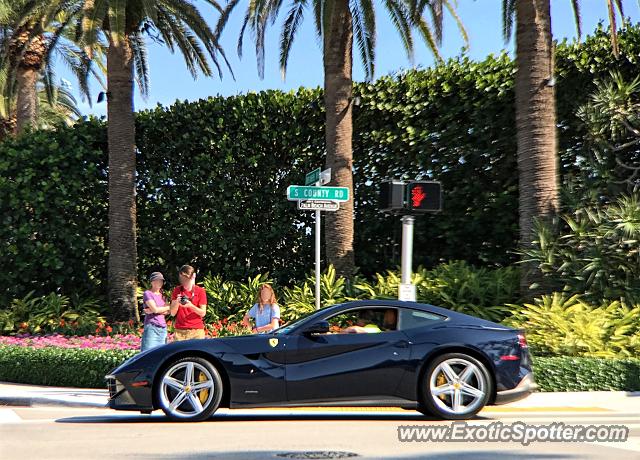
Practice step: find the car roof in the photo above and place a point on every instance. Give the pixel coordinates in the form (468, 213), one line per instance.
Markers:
(400, 304)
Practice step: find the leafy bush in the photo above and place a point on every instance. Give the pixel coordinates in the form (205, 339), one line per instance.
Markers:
(231, 299)
(59, 366)
(245, 150)
(568, 326)
(457, 285)
(586, 374)
(593, 251)
(87, 368)
(474, 291)
(50, 313)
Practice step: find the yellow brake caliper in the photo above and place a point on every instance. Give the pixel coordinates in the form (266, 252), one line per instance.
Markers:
(204, 394)
(441, 380)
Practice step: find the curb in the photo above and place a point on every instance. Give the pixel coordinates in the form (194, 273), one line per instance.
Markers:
(32, 401)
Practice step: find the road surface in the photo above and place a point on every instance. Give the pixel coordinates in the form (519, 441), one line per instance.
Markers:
(82, 433)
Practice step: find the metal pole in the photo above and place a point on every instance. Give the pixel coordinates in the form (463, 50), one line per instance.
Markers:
(317, 235)
(407, 248)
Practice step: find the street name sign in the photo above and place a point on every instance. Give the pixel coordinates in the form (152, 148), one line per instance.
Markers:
(313, 205)
(300, 192)
(312, 177)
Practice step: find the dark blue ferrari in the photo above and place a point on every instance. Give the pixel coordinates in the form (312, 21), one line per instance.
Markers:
(365, 353)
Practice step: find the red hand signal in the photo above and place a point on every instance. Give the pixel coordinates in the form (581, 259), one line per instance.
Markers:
(417, 196)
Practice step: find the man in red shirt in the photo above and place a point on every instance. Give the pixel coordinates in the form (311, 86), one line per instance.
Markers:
(188, 305)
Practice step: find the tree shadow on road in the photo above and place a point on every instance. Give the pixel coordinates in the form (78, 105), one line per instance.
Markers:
(317, 454)
(226, 418)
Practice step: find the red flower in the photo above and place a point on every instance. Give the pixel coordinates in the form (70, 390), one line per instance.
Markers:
(130, 323)
(225, 320)
(109, 329)
(62, 323)
(24, 325)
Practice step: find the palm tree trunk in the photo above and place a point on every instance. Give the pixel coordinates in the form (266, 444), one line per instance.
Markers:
(122, 186)
(26, 98)
(338, 60)
(7, 127)
(536, 125)
(28, 66)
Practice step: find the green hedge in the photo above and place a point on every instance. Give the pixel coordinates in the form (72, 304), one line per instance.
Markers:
(587, 374)
(87, 368)
(66, 367)
(212, 175)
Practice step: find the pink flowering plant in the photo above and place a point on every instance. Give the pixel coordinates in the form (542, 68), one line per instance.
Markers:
(115, 342)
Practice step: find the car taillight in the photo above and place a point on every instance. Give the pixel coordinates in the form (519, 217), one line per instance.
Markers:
(522, 341)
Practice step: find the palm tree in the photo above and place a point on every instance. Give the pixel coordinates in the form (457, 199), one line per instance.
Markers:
(122, 27)
(338, 23)
(56, 105)
(30, 43)
(536, 116)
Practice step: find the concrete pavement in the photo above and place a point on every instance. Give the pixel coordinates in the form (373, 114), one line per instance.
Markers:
(72, 423)
(87, 433)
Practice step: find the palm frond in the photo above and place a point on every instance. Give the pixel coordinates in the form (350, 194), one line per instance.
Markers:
(289, 29)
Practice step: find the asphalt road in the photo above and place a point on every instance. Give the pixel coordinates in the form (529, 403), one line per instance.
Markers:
(79, 433)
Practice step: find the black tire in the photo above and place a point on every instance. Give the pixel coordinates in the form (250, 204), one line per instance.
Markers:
(444, 405)
(202, 373)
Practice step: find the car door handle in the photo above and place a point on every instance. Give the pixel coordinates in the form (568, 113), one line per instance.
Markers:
(401, 344)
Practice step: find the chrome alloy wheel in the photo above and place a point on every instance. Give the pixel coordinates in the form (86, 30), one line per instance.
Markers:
(457, 386)
(186, 389)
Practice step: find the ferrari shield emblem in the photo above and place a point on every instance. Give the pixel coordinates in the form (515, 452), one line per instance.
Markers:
(273, 342)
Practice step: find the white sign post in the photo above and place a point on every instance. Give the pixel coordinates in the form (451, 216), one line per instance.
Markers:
(317, 198)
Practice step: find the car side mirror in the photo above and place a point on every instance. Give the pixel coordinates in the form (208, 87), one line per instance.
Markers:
(320, 327)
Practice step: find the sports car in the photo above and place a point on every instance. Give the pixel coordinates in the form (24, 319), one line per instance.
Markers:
(364, 353)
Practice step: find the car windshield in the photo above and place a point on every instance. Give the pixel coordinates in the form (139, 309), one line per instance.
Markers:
(288, 327)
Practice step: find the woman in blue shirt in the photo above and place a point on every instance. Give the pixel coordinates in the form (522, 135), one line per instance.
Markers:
(265, 312)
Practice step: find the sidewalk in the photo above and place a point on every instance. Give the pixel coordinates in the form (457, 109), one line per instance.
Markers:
(17, 394)
(13, 394)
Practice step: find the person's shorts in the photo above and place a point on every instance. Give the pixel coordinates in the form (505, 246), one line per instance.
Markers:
(188, 334)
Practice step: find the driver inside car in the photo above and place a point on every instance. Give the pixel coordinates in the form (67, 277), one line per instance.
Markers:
(364, 324)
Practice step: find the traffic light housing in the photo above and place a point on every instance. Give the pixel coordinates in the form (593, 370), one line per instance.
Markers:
(423, 196)
(413, 197)
(392, 196)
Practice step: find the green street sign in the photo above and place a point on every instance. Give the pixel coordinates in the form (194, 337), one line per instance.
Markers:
(300, 192)
(312, 177)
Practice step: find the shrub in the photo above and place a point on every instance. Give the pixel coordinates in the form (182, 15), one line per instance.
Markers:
(592, 251)
(50, 313)
(568, 326)
(453, 122)
(586, 374)
(231, 299)
(59, 366)
(457, 285)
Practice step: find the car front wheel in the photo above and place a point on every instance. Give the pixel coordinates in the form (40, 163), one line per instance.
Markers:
(189, 390)
(455, 386)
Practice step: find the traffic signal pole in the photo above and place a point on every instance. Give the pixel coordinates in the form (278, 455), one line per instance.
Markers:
(408, 198)
(407, 249)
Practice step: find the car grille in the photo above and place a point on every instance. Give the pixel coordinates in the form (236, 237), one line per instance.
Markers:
(113, 388)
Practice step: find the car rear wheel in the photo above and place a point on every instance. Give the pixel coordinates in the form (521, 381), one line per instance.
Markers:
(455, 386)
(189, 390)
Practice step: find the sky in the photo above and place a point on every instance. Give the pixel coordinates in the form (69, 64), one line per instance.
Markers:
(171, 81)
